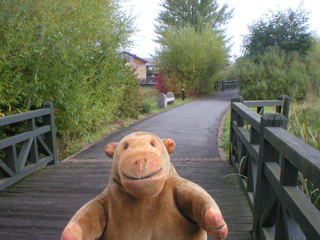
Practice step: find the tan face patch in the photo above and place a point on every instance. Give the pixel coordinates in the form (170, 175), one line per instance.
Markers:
(140, 165)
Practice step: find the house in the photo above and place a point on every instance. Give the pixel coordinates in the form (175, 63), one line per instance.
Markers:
(152, 70)
(138, 63)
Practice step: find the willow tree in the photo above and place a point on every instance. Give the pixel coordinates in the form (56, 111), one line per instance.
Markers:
(196, 13)
(193, 47)
(191, 60)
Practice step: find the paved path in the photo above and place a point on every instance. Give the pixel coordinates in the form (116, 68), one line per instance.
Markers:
(193, 126)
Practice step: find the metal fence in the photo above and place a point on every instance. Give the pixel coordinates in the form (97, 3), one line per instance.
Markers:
(23, 153)
(147, 82)
(269, 160)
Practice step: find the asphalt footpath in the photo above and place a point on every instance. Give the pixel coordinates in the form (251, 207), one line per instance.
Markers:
(194, 127)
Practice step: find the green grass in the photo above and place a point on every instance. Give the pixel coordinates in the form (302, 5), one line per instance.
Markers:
(226, 135)
(150, 96)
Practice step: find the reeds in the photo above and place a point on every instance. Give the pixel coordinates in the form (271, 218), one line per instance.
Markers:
(301, 128)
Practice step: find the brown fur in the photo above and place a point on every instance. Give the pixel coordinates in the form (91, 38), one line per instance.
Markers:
(146, 199)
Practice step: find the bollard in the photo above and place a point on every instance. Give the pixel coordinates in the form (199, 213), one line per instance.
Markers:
(182, 93)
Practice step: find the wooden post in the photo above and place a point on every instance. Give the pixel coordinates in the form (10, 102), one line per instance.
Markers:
(34, 155)
(50, 137)
(12, 158)
(284, 109)
(252, 163)
(263, 197)
(234, 117)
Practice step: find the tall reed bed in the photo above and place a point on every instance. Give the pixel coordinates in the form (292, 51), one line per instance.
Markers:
(305, 124)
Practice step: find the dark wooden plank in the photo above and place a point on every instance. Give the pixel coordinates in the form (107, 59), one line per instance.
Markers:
(40, 206)
(247, 114)
(10, 141)
(23, 116)
(303, 156)
(263, 103)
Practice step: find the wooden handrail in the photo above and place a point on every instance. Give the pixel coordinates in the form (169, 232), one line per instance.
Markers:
(269, 160)
(35, 147)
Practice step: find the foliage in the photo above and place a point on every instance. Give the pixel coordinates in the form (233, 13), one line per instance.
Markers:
(287, 30)
(316, 46)
(282, 57)
(305, 119)
(161, 84)
(230, 72)
(305, 124)
(276, 72)
(191, 59)
(179, 13)
(67, 52)
(192, 45)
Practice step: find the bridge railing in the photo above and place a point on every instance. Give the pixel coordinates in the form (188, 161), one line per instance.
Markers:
(25, 152)
(269, 160)
(226, 85)
(147, 82)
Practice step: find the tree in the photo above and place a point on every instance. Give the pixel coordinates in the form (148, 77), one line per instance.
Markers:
(278, 72)
(180, 13)
(191, 60)
(192, 44)
(66, 52)
(287, 29)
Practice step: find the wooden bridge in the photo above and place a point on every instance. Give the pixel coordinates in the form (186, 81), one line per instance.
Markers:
(40, 206)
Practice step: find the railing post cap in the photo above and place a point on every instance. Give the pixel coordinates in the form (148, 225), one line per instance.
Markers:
(47, 105)
(282, 97)
(274, 120)
(237, 98)
(273, 116)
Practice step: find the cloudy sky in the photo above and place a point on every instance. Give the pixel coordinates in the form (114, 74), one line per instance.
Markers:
(245, 12)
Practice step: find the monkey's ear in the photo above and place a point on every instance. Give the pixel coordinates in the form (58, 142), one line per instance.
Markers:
(110, 148)
(170, 145)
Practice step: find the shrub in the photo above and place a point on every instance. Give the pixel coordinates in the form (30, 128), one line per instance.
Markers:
(274, 73)
(161, 85)
(66, 52)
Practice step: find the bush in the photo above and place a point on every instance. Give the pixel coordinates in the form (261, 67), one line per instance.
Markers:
(161, 85)
(276, 72)
(66, 52)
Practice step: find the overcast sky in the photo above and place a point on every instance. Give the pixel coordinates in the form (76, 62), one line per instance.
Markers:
(245, 12)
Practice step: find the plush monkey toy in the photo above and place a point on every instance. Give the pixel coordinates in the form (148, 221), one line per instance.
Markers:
(146, 199)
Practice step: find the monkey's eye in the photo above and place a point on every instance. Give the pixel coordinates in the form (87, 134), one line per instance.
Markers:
(126, 146)
(152, 144)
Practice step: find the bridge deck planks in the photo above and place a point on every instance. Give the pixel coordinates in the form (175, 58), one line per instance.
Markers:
(40, 206)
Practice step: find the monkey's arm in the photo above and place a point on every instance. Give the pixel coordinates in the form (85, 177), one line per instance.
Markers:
(197, 205)
(88, 223)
